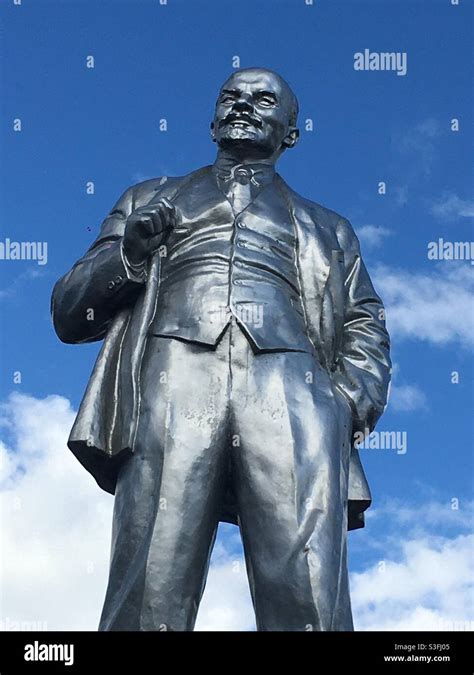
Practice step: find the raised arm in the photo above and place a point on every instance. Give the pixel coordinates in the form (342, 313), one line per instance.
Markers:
(112, 273)
(85, 300)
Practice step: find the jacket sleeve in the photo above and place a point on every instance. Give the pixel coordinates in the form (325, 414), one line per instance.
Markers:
(86, 299)
(363, 368)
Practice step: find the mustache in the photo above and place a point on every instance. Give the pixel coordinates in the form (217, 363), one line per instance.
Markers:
(241, 117)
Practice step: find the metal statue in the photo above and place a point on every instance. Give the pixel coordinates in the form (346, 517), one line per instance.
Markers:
(244, 345)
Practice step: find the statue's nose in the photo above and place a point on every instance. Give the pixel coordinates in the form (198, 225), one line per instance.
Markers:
(243, 105)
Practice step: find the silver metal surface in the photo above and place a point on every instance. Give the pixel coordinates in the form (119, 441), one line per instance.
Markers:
(244, 345)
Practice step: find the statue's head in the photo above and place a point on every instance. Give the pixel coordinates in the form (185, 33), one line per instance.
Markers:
(256, 113)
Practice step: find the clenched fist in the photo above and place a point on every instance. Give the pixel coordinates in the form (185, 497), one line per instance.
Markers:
(146, 229)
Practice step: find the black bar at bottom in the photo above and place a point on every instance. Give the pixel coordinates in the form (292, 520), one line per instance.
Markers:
(83, 652)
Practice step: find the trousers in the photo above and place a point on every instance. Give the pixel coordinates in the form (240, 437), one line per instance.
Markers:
(270, 425)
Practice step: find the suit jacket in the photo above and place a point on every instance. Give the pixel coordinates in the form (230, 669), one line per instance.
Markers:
(98, 299)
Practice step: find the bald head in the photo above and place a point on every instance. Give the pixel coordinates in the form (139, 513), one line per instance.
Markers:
(257, 74)
(256, 114)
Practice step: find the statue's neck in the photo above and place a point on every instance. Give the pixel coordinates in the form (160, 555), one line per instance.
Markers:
(227, 158)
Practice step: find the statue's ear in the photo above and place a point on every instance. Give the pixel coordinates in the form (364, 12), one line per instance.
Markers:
(291, 138)
(213, 133)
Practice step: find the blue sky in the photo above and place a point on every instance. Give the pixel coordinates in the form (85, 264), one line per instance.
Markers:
(156, 61)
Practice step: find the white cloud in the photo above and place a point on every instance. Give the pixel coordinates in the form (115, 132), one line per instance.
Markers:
(55, 521)
(428, 588)
(406, 398)
(55, 525)
(226, 604)
(372, 235)
(424, 579)
(417, 576)
(451, 206)
(436, 307)
(454, 515)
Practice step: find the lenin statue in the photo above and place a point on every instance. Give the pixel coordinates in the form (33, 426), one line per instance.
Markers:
(243, 347)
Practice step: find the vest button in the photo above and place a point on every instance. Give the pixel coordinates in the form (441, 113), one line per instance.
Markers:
(241, 225)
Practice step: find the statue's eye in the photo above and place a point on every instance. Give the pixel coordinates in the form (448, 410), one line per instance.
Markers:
(266, 101)
(227, 99)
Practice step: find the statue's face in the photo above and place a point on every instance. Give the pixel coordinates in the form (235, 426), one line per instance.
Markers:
(253, 114)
